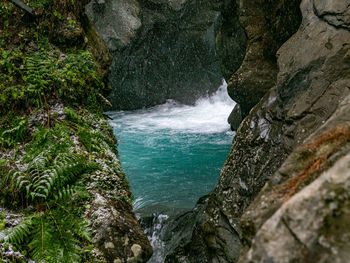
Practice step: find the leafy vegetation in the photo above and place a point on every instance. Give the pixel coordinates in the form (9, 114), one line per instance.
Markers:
(53, 136)
(53, 235)
(55, 230)
(52, 183)
(8, 137)
(31, 80)
(39, 4)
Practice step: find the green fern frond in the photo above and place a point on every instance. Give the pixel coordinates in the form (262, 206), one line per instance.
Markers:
(83, 231)
(57, 236)
(40, 161)
(42, 181)
(17, 234)
(66, 193)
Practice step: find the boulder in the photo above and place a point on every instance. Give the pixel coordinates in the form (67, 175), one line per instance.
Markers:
(302, 207)
(312, 225)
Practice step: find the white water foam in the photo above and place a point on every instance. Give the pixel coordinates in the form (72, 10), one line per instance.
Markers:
(208, 115)
(163, 148)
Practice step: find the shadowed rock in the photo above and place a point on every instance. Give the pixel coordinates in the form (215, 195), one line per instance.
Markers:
(312, 81)
(251, 33)
(162, 50)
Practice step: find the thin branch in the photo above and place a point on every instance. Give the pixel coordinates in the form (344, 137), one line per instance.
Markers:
(23, 6)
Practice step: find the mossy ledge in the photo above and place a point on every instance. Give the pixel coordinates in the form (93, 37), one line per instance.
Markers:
(63, 197)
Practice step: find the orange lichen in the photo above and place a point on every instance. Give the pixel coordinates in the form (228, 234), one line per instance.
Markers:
(333, 137)
(337, 135)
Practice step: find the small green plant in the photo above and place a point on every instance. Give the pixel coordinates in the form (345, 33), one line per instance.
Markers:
(5, 10)
(11, 136)
(51, 182)
(52, 235)
(2, 221)
(40, 4)
(32, 80)
(58, 15)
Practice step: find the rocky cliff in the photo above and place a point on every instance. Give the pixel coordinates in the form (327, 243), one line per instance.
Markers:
(283, 193)
(162, 49)
(294, 141)
(63, 195)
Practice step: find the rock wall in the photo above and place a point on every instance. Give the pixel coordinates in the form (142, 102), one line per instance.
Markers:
(251, 33)
(64, 197)
(299, 214)
(162, 49)
(307, 104)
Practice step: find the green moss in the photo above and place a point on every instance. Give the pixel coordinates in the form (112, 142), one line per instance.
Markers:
(39, 4)
(30, 80)
(52, 157)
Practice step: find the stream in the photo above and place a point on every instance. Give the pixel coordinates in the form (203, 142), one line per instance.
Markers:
(172, 154)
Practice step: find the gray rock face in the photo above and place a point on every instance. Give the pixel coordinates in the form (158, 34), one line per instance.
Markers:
(231, 41)
(117, 234)
(162, 49)
(251, 33)
(299, 215)
(117, 21)
(235, 117)
(336, 13)
(313, 79)
(312, 225)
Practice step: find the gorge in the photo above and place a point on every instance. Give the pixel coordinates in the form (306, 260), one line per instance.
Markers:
(172, 153)
(154, 67)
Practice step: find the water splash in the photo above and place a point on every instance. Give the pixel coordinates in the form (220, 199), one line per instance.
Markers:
(208, 115)
(173, 153)
(154, 235)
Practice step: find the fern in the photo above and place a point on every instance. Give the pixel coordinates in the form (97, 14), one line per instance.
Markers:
(57, 236)
(45, 183)
(17, 234)
(15, 134)
(54, 235)
(51, 180)
(66, 193)
(94, 141)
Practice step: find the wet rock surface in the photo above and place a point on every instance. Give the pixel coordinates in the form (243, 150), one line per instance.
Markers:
(154, 220)
(162, 50)
(309, 227)
(251, 33)
(301, 206)
(311, 84)
(235, 117)
(117, 234)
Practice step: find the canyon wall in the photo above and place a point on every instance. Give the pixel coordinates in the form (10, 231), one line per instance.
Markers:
(294, 141)
(63, 197)
(162, 49)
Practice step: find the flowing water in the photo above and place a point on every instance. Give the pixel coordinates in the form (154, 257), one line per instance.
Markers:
(172, 153)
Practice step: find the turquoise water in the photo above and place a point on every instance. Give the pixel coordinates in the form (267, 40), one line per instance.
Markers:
(172, 154)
